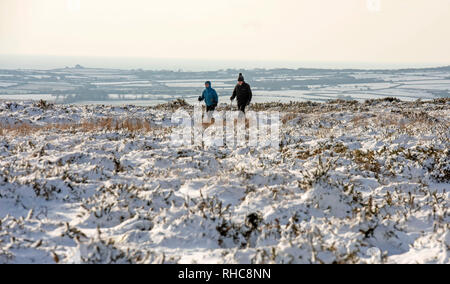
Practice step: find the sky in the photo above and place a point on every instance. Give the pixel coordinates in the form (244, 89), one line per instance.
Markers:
(388, 31)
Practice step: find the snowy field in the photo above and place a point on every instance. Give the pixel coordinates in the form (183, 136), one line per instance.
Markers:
(352, 182)
(148, 88)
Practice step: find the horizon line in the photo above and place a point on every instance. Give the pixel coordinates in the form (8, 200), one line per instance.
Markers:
(319, 65)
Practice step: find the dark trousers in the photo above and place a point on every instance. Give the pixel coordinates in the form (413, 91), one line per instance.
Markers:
(211, 108)
(242, 107)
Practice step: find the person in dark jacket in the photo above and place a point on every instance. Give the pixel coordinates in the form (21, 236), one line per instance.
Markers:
(210, 97)
(243, 93)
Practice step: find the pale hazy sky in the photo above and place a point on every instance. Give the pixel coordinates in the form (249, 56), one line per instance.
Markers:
(402, 31)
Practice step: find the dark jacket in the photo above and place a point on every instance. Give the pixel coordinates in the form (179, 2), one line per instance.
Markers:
(243, 94)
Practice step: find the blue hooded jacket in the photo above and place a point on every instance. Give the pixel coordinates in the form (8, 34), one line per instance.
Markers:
(209, 95)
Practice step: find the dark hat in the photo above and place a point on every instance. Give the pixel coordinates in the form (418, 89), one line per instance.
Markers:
(241, 78)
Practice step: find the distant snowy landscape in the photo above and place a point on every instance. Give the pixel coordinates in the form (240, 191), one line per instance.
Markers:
(354, 181)
(82, 85)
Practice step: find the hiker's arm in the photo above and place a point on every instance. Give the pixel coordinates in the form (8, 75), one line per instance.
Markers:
(234, 94)
(216, 98)
(202, 97)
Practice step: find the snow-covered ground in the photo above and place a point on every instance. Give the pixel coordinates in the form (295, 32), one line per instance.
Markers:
(352, 182)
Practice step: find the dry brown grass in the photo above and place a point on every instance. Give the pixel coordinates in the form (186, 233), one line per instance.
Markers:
(21, 129)
(359, 121)
(206, 124)
(104, 124)
(366, 160)
(288, 117)
(411, 122)
(324, 132)
(387, 120)
(110, 124)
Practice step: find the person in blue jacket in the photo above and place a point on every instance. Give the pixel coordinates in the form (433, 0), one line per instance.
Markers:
(210, 97)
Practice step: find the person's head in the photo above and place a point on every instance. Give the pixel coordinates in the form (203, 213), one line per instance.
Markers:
(207, 84)
(240, 79)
